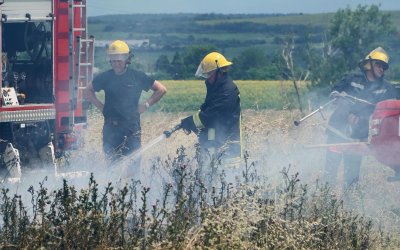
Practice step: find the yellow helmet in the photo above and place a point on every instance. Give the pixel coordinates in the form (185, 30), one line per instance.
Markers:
(118, 50)
(378, 54)
(211, 62)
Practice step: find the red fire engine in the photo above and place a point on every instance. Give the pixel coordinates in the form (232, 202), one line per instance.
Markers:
(47, 61)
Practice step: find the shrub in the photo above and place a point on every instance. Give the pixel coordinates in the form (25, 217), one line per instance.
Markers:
(193, 212)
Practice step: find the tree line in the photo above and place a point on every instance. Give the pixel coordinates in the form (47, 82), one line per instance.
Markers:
(318, 53)
(349, 37)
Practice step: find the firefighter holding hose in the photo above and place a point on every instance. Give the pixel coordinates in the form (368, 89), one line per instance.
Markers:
(350, 120)
(218, 122)
(121, 109)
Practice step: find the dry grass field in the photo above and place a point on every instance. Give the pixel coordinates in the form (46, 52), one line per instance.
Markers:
(278, 204)
(274, 143)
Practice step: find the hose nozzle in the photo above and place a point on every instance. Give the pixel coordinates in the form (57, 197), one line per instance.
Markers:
(168, 133)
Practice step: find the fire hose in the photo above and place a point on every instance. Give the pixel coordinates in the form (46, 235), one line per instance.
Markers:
(165, 134)
(127, 160)
(341, 95)
(297, 123)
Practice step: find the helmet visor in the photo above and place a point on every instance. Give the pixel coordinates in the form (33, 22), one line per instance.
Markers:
(200, 72)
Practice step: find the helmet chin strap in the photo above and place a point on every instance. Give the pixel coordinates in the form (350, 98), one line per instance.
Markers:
(218, 68)
(130, 56)
(372, 68)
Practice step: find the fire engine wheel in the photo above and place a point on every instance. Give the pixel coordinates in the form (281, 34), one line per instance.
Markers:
(35, 39)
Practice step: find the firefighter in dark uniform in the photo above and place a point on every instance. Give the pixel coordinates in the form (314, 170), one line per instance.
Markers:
(350, 120)
(121, 109)
(218, 122)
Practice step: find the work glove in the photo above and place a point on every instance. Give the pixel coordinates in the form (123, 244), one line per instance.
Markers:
(21, 98)
(188, 125)
(335, 94)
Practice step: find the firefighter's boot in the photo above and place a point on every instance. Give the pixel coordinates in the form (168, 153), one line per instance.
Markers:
(12, 161)
(47, 155)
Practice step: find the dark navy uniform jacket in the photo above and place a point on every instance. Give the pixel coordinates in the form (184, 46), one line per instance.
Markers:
(221, 113)
(358, 86)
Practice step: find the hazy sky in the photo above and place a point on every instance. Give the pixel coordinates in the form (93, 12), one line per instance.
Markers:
(102, 7)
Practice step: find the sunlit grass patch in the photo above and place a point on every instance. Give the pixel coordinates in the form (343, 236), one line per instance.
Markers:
(189, 95)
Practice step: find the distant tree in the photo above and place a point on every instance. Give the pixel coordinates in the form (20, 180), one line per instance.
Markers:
(247, 63)
(353, 32)
(268, 72)
(177, 67)
(351, 35)
(255, 64)
(108, 28)
(162, 64)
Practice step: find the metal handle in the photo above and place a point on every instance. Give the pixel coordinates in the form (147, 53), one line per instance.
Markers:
(297, 123)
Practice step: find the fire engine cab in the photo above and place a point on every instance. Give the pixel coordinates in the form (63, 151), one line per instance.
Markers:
(46, 64)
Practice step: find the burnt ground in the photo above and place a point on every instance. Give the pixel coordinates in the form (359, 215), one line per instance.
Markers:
(273, 143)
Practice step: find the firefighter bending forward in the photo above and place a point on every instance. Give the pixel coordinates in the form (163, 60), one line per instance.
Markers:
(121, 109)
(218, 122)
(350, 120)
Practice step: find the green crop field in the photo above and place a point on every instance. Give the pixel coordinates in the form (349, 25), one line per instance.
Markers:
(189, 95)
(185, 96)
